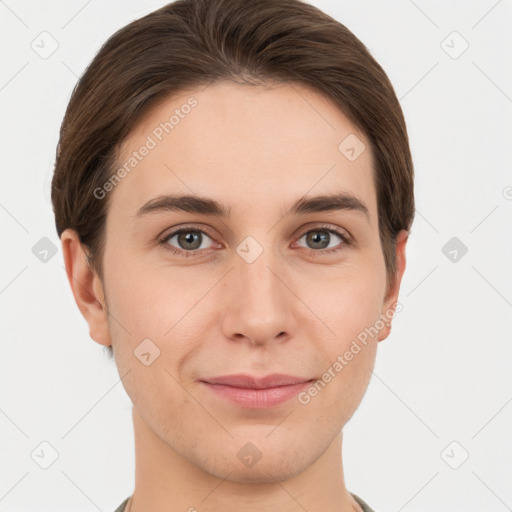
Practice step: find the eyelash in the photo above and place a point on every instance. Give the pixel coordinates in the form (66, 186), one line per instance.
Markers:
(346, 241)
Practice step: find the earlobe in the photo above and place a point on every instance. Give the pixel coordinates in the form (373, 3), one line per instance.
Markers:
(86, 287)
(389, 305)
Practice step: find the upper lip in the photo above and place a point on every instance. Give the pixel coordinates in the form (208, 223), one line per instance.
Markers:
(250, 382)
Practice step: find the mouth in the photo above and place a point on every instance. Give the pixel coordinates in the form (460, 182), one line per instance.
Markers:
(257, 393)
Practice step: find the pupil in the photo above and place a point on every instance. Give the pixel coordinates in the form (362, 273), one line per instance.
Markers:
(189, 237)
(320, 237)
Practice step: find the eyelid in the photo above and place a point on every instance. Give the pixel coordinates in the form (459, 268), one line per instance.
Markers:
(345, 236)
(346, 239)
(341, 232)
(163, 239)
(185, 227)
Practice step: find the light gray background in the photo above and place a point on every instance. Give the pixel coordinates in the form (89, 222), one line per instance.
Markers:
(443, 376)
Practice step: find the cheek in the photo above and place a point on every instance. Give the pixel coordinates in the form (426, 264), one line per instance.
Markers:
(150, 301)
(349, 307)
(348, 300)
(155, 311)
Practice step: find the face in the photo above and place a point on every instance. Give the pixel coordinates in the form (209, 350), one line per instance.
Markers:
(280, 283)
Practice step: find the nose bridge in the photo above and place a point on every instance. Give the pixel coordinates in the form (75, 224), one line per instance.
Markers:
(258, 306)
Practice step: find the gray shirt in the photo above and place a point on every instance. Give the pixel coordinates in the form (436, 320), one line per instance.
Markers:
(364, 505)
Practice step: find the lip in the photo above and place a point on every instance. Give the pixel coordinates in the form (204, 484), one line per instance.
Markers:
(257, 392)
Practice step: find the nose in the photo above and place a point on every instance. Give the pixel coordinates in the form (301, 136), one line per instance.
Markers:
(259, 307)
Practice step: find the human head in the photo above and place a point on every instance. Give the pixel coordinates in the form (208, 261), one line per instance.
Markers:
(207, 50)
(198, 42)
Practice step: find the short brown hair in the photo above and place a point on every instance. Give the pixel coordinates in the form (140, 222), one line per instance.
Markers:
(191, 43)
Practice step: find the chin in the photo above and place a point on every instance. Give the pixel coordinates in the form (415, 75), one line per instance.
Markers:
(268, 464)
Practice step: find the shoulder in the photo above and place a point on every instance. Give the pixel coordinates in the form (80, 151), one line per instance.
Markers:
(364, 505)
(122, 506)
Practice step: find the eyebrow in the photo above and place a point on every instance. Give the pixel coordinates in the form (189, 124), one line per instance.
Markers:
(207, 206)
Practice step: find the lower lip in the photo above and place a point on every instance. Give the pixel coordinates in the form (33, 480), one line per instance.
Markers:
(258, 398)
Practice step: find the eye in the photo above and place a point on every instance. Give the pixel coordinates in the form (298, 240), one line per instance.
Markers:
(190, 242)
(325, 240)
(187, 241)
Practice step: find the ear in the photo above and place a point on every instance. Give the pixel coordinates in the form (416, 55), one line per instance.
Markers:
(391, 298)
(86, 287)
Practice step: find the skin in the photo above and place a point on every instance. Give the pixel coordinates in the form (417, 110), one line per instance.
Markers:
(293, 310)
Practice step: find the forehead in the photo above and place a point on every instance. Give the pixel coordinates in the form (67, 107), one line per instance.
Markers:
(245, 146)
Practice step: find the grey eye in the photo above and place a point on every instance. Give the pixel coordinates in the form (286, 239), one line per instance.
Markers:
(188, 239)
(320, 239)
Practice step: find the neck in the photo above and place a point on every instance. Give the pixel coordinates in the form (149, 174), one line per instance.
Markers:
(164, 479)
